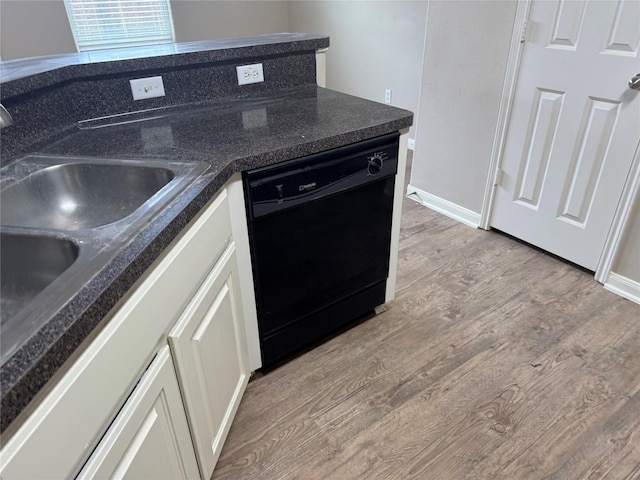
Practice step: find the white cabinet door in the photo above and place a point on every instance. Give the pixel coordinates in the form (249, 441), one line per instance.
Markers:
(210, 352)
(149, 438)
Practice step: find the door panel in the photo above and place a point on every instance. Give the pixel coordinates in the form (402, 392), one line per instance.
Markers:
(568, 24)
(541, 136)
(624, 34)
(573, 129)
(588, 162)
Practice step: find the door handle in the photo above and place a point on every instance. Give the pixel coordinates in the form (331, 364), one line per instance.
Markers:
(634, 82)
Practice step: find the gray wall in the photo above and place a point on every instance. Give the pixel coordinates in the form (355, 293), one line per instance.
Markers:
(40, 27)
(375, 45)
(34, 27)
(627, 260)
(465, 58)
(205, 20)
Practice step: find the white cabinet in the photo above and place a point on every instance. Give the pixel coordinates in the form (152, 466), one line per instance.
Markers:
(209, 348)
(149, 438)
(108, 417)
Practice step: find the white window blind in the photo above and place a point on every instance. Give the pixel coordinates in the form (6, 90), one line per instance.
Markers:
(101, 24)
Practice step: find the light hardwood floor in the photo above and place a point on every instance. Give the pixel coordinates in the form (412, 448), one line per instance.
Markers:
(495, 361)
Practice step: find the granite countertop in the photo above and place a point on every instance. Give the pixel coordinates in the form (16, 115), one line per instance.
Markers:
(231, 135)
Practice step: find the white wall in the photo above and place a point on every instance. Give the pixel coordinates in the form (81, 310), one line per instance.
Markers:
(375, 45)
(465, 59)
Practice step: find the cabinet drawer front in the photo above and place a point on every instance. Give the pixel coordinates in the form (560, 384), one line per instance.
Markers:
(187, 263)
(65, 426)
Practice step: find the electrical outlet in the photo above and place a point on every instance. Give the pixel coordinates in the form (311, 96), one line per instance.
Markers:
(250, 74)
(387, 96)
(149, 87)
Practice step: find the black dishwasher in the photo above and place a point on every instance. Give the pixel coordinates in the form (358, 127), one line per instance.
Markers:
(320, 234)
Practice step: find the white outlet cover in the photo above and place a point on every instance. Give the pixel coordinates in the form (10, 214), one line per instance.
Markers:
(149, 87)
(250, 74)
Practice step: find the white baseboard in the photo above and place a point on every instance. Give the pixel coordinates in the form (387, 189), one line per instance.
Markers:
(440, 205)
(623, 286)
(411, 144)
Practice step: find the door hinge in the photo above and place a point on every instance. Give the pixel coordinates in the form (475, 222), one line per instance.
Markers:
(523, 34)
(498, 178)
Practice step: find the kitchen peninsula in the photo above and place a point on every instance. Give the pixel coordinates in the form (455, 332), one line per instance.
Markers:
(80, 106)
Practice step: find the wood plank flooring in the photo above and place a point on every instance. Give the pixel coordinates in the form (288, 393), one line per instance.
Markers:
(495, 361)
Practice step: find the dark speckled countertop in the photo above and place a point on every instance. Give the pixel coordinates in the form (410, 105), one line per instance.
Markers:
(232, 134)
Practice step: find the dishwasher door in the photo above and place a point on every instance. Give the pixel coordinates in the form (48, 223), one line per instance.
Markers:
(320, 233)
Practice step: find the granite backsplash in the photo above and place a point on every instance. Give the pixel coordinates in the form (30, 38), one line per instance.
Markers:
(48, 105)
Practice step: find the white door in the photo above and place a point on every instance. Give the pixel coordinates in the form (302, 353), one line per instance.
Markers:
(573, 129)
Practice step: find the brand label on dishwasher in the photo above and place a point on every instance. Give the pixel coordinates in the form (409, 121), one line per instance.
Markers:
(306, 187)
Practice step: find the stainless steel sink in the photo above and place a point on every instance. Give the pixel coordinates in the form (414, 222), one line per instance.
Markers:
(76, 196)
(62, 220)
(28, 265)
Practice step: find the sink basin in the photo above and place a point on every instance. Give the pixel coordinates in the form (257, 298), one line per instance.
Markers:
(76, 196)
(28, 265)
(63, 219)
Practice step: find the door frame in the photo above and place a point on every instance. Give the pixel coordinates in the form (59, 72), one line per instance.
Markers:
(516, 46)
(620, 217)
(632, 183)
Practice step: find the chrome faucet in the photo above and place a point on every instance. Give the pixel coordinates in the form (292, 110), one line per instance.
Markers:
(5, 117)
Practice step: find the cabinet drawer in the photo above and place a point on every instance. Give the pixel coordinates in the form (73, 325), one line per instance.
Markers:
(188, 261)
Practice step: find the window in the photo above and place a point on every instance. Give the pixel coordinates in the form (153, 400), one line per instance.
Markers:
(101, 24)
